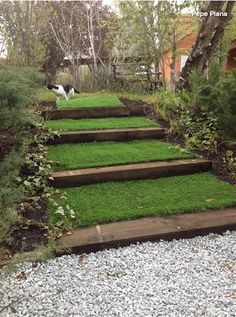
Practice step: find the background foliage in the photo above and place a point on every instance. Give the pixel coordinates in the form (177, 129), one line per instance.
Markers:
(17, 88)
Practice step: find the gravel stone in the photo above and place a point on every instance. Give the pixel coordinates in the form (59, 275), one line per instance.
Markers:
(193, 278)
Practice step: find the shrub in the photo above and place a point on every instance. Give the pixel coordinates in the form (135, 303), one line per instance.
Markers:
(166, 104)
(227, 112)
(16, 121)
(205, 113)
(99, 80)
(11, 193)
(215, 94)
(33, 78)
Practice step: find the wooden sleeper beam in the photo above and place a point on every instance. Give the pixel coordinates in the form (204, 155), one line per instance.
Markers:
(108, 135)
(157, 169)
(124, 233)
(97, 112)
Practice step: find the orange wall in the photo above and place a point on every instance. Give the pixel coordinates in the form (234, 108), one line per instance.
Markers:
(184, 47)
(231, 60)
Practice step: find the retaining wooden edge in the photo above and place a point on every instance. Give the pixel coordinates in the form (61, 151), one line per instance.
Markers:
(124, 233)
(99, 112)
(107, 135)
(157, 169)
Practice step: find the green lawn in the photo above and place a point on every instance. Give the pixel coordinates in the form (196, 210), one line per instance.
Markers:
(90, 101)
(73, 156)
(113, 201)
(98, 124)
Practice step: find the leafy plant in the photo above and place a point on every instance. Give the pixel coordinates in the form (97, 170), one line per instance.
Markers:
(230, 162)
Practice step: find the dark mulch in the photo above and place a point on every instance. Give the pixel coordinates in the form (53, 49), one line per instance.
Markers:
(131, 103)
(45, 106)
(26, 239)
(32, 228)
(29, 233)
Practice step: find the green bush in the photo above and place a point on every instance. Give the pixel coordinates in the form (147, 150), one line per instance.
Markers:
(16, 94)
(227, 113)
(166, 104)
(11, 193)
(32, 77)
(215, 94)
(205, 113)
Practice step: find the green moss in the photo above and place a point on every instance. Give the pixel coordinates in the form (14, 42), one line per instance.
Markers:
(113, 201)
(73, 156)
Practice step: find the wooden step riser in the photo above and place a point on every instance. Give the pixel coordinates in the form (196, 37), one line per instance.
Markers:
(125, 173)
(124, 233)
(83, 113)
(106, 136)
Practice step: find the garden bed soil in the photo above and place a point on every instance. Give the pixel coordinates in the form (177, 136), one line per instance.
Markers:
(32, 230)
(25, 240)
(134, 104)
(46, 105)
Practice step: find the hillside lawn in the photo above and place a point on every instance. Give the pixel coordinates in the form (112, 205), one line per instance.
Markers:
(94, 154)
(92, 101)
(114, 201)
(99, 124)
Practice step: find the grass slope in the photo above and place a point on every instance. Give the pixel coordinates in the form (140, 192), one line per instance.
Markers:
(109, 202)
(72, 156)
(90, 101)
(98, 124)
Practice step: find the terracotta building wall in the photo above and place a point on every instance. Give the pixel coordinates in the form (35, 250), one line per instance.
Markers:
(184, 47)
(231, 58)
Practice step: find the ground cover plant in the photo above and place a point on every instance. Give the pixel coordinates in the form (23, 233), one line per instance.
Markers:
(92, 101)
(44, 95)
(73, 156)
(22, 207)
(113, 201)
(204, 117)
(98, 124)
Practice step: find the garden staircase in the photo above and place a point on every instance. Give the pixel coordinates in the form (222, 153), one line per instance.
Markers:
(145, 229)
(120, 172)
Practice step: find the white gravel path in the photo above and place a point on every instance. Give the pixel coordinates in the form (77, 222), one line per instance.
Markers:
(191, 278)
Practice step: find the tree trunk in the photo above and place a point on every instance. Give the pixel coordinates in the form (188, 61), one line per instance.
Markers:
(210, 33)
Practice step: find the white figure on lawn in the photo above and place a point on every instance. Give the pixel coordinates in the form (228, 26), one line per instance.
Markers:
(65, 91)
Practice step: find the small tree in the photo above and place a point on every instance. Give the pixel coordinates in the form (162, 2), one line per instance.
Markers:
(144, 31)
(78, 30)
(210, 33)
(23, 24)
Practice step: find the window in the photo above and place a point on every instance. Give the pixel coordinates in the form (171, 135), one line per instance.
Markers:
(183, 59)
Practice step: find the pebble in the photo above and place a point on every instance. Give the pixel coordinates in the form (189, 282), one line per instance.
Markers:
(182, 278)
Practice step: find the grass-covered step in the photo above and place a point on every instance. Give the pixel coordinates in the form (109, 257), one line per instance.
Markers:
(92, 101)
(115, 201)
(98, 124)
(102, 112)
(107, 135)
(123, 233)
(158, 169)
(83, 155)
